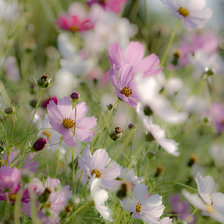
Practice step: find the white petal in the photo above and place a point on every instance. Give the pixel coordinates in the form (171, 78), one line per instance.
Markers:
(139, 192)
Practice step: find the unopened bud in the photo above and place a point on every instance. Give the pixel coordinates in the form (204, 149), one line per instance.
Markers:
(149, 137)
(131, 126)
(124, 190)
(9, 110)
(116, 134)
(33, 103)
(45, 195)
(192, 160)
(109, 107)
(44, 81)
(147, 111)
(39, 144)
(75, 96)
(159, 170)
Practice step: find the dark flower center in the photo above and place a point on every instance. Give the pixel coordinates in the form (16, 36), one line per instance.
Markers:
(138, 207)
(97, 172)
(183, 12)
(68, 123)
(126, 91)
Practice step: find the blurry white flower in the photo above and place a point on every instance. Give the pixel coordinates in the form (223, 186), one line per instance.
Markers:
(109, 28)
(9, 10)
(129, 175)
(148, 90)
(193, 13)
(210, 203)
(166, 221)
(11, 68)
(72, 61)
(99, 197)
(65, 82)
(205, 62)
(173, 86)
(159, 136)
(217, 152)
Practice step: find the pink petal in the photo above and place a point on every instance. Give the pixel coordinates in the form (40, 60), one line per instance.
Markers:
(134, 53)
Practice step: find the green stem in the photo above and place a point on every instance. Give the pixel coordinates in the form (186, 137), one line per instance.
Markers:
(73, 170)
(56, 171)
(169, 44)
(17, 208)
(191, 215)
(105, 124)
(77, 211)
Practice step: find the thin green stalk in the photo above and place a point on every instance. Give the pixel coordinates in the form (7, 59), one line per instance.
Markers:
(77, 211)
(56, 171)
(105, 123)
(17, 208)
(191, 215)
(169, 44)
(73, 170)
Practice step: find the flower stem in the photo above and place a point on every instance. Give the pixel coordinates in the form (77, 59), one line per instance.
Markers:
(17, 208)
(73, 170)
(169, 44)
(105, 124)
(191, 215)
(56, 171)
(77, 211)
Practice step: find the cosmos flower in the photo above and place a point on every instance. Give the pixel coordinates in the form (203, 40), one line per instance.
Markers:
(113, 5)
(100, 196)
(158, 135)
(152, 102)
(124, 84)
(181, 208)
(52, 199)
(193, 13)
(64, 118)
(211, 203)
(217, 153)
(134, 55)
(100, 165)
(142, 206)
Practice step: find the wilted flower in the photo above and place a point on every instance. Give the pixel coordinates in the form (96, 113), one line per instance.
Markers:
(210, 203)
(100, 165)
(134, 55)
(193, 13)
(99, 197)
(145, 207)
(64, 118)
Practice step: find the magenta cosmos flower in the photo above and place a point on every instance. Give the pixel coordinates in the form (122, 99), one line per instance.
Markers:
(73, 23)
(124, 84)
(113, 5)
(53, 198)
(64, 118)
(134, 55)
(100, 165)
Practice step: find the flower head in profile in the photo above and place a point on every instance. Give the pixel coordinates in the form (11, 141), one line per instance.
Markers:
(100, 165)
(134, 55)
(159, 136)
(124, 84)
(144, 207)
(100, 196)
(112, 5)
(64, 118)
(50, 197)
(211, 203)
(193, 13)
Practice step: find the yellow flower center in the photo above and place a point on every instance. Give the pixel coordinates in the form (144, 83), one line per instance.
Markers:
(47, 133)
(68, 123)
(97, 172)
(209, 208)
(12, 197)
(126, 91)
(222, 122)
(138, 207)
(74, 28)
(183, 12)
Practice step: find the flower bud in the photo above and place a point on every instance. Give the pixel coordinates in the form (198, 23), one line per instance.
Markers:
(9, 110)
(39, 144)
(45, 195)
(192, 160)
(131, 126)
(44, 81)
(124, 190)
(147, 111)
(116, 134)
(75, 96)
(46, 102)
(159, 170)
(109, 107)
(33, 103)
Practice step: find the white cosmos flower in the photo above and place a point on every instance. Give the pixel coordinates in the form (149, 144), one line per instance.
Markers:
(99, 197)
(217, 152)
(165, 221)
(210, 203)
(159, 136)
(192, 12)
(148, 91)
(144, 207)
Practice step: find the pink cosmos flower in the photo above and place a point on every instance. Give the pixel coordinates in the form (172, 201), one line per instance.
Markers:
(193, 13)
(134, 55)
(217, 114)
(100, 165)
(73, 23)
(27, 164)
(113, 5)
(54, 201)
(124, 84)
(64, 118)
(46, 102)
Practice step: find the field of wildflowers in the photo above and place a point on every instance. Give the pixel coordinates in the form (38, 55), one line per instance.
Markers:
(111, 113)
